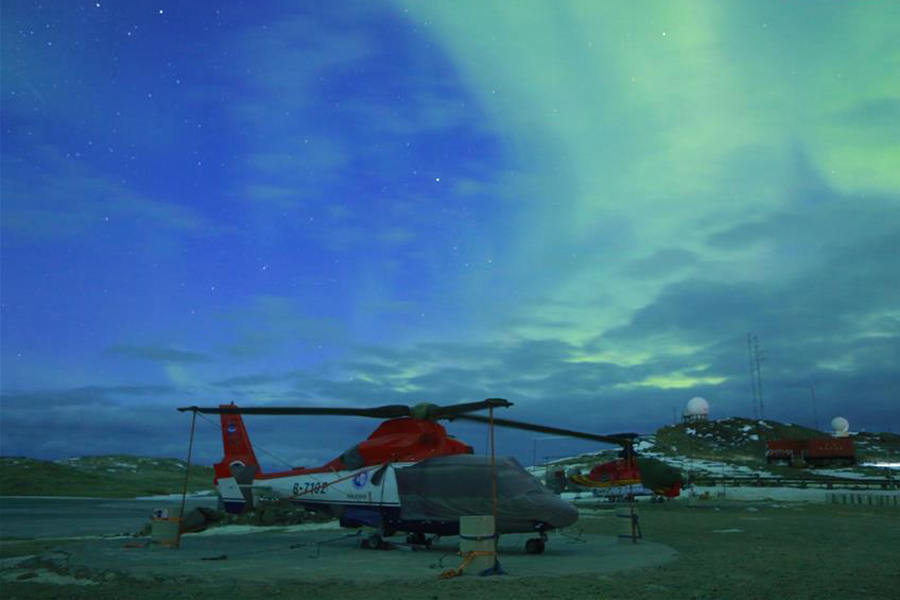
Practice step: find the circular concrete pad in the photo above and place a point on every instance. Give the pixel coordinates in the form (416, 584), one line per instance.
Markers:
(334, 554)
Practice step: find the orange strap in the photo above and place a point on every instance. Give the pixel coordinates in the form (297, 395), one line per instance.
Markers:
(468, 557)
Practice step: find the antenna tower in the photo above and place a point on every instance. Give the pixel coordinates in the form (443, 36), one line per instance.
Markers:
(812, 391)
(755, 394)
(759, 386)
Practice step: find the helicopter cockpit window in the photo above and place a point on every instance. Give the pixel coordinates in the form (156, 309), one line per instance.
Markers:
(352, 459)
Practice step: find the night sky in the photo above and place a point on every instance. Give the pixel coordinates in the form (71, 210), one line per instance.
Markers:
(583, 207)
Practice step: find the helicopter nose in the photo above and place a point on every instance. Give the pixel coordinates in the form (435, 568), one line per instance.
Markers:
(559, 513)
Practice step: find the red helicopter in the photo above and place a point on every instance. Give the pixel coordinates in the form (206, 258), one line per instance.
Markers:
(409, 475)
(628, 470)
(631, 470)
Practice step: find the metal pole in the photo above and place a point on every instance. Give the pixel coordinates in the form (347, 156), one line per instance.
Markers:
(494, 479)
(756, 414)
(187, 473)
(759, 385)
(812, 390)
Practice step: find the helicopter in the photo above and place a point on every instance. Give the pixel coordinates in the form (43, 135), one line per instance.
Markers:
(630, 470)
(408, 476)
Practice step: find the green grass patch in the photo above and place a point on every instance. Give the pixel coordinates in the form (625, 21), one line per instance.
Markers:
(112, 476)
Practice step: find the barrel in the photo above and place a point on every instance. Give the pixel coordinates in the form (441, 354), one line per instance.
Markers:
(164, 528)
(476, 534)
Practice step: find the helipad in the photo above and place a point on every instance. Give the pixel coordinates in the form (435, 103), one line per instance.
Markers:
(334, 554)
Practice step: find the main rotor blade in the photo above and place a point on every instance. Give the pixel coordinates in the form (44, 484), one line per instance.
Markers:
(607, 439)
(426, 411)
(389, 411)
(453, 411)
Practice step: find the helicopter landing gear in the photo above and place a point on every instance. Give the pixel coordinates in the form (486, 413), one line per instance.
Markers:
(536, 545)
(417, 538)
(376, 542)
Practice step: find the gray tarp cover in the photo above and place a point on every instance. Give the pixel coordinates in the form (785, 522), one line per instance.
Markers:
(447, 487)
(656, 473)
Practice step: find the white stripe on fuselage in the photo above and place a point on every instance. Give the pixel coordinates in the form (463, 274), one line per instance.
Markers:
(335, 487)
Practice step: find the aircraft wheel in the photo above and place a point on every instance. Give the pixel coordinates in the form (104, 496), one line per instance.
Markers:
(418, 538)
(373, 542)
(534, 546)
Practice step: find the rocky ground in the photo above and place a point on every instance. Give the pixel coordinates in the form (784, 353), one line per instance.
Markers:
(759, 550)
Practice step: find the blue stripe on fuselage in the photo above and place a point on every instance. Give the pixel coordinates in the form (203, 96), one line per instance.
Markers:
(388, 518)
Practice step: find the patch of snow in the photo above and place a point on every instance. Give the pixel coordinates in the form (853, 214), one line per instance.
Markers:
(690, 431)
(774, 494)
(847, 474)
(779, 494)
(203, 494)
(747, 428)
(753, 437)
(539, 472)
(61, 498)
(576, 495)
(43, 576)
(245, 529)
(643, 445)
(711, 467)
(8, 563)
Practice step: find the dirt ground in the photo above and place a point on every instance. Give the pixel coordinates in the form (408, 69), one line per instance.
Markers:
(747, 551)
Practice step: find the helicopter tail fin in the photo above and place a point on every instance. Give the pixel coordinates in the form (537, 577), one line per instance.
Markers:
(237, 470)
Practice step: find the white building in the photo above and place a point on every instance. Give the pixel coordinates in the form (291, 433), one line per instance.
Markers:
(697, 409)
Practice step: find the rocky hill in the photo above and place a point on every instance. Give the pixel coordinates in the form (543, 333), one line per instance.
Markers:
(737, 446)
(112, 476)
(744, 440)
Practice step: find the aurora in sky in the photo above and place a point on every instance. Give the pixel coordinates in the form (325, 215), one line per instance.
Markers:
(583, 207)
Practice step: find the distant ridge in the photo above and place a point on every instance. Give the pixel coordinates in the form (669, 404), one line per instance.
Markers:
(110, 476)
(744, 440)
(737, 445)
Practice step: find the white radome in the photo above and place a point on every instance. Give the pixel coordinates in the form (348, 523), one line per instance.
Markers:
(840, 425)
(697, 406)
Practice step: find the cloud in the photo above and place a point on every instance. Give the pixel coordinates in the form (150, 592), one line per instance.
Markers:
(156, 353)
(662, 263)
(39, 209)
(571, 209)
(54, 423)
(268, 324)
(250, 380)
(80, 397)
(550, 382)
(84, 397)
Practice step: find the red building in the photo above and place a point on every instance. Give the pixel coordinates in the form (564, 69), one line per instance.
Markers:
(812, 452)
